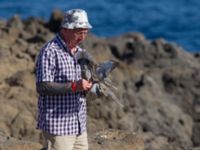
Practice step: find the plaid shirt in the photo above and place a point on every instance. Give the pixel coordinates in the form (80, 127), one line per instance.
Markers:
(61, 114)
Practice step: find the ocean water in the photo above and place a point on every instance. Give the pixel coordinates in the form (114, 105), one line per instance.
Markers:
(176, 21)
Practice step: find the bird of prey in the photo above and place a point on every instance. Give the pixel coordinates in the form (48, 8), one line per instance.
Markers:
(98, 74)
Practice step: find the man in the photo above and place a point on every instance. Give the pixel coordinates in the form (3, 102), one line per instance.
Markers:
(61, 103)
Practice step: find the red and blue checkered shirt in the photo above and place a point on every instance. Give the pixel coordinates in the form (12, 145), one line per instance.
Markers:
(60, 114)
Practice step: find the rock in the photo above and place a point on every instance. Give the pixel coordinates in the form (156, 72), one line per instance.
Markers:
(15, 22)
(20, 145)
(116, 139)
(196, 133)
(55, 21)
(158, 83)
(9, 143)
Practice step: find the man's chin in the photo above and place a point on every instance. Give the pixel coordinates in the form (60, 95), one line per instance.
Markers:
(77, 43)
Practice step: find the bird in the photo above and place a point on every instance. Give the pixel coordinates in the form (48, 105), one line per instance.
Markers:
(86, 63)
(98, 74)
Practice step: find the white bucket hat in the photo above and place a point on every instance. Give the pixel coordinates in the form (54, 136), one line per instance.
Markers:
(76, 18)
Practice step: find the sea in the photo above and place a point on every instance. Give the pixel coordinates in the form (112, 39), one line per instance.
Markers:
(176, 21)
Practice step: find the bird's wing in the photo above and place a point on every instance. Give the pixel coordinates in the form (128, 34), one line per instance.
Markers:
(104, 69)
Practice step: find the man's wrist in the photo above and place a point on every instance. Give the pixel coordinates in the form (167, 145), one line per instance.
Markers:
(73, 86)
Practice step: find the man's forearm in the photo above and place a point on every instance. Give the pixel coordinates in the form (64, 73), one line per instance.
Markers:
(53, 88)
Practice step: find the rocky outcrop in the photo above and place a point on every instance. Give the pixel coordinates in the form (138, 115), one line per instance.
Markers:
(8, 143)
(116, 139)
(158, 84)
(107, 140)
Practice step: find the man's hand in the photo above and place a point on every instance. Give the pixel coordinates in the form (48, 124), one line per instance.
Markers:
(83, 85)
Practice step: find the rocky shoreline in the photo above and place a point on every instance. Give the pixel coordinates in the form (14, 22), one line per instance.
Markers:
(158, 83)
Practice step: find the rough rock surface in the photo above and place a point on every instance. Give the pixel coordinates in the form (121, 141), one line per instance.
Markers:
(158, 84)
(8, 143)
(116, 139)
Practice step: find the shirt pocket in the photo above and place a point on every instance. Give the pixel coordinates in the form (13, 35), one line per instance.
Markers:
(66, 70)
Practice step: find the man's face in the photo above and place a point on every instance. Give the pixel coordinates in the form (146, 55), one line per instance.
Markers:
(79, 34)
(76, 36)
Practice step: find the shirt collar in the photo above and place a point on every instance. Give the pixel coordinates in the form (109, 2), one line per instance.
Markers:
(64, 45)
(60, 40)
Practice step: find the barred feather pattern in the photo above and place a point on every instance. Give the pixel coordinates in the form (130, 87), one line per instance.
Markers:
(98, 74)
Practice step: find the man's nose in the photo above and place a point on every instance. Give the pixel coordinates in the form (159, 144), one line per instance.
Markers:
(82, 36)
